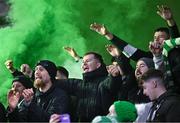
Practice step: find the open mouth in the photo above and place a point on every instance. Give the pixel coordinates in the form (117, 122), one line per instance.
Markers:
(38, 78)
(85, 69)
(138, 74)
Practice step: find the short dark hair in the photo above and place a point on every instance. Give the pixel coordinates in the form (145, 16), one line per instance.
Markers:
(163, 29)
(152, 73)
(96, 55)
(63, 70)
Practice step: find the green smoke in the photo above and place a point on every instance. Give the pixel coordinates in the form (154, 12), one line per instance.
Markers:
(40, 28)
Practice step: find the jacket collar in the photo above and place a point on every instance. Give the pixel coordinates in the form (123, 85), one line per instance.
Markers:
(100, 72)
(164, 96)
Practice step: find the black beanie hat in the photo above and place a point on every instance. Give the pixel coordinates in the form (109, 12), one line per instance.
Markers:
(50, 67)
(63, 70)
(148, 61)
(25, 81)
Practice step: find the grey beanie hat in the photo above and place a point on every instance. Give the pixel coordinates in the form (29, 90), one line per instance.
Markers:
(148, 61)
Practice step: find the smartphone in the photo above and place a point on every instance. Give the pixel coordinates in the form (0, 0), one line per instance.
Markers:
(64, 118)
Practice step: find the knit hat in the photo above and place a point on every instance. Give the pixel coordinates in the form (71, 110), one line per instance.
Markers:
(126, 111)
(104, 119)
(25, 81)
(63, 70)
(49, 66)
(148, 61)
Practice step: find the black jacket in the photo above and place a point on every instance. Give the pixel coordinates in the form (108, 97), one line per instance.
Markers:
(165, 109)
(2, 113)
(42, 106)
(94, 93)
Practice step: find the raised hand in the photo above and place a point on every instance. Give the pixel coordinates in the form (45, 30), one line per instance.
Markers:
(72, 52)
(113, 70)
(113, 50)
(13, 99)
(165, 13)
(28, 95)
(156, 48)
(26, 70)
(9, 65)
(99, 28)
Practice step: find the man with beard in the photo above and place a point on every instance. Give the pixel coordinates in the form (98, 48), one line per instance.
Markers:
(47, 99)
(143, 65)
(142, 101)
(95, 92)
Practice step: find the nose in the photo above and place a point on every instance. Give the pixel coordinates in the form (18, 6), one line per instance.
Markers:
(137, 70)
(144, 92)
(156, 38)
(84, 64)
(36, 72)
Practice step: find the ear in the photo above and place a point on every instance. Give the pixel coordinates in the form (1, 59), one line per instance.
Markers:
(155, 83)
(98, 65)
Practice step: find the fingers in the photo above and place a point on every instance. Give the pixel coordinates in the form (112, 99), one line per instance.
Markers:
(28, 94)
(67, 48)
(155, 48)
(159, 13)
(108, 47)
(11, 92)
(55, 118)
(96, 26)
(9, 64)
(24, 68)
(17, 94)
(162, 9)
(93, 26)
(113, 70)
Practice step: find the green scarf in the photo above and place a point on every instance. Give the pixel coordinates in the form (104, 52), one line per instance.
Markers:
(169, 45)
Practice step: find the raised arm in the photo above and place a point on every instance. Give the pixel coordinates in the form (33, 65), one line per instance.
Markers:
(128, 50)
(113, 50)
(72, 53)
(12, 70)
(26, 70)
(10, 66)
(102, 30)
(165, 13)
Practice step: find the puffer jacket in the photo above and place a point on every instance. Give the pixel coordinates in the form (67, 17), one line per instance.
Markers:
(94, 93)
